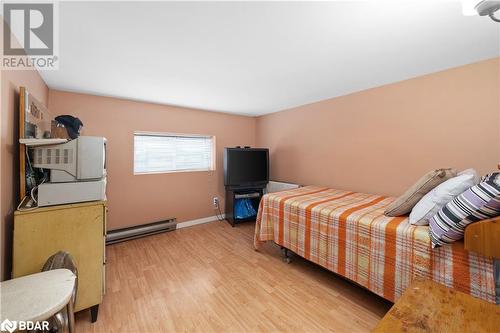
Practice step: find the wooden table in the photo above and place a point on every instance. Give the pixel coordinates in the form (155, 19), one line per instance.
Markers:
(427, 306)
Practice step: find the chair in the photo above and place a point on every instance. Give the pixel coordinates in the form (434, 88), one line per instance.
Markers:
(63, 321)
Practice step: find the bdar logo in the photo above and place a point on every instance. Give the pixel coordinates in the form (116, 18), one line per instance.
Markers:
(8, 325)
(33, 24)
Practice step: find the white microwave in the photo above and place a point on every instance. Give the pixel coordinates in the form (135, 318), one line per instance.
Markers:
(81, 159)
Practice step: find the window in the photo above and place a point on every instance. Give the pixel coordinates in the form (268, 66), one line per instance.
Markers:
(156, 152)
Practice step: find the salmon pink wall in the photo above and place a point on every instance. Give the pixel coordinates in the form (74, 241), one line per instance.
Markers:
(11, 81)
(381, 140)
(138, 199)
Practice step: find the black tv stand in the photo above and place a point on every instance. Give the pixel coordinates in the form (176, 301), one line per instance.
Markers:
(234, 193)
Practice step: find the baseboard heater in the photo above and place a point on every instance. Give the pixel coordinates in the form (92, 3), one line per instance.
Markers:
(275, 186)
(121, 235)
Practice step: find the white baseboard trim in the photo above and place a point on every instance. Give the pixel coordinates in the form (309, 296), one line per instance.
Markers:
(191, 223)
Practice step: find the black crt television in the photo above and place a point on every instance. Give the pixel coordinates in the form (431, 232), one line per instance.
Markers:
(246, 167)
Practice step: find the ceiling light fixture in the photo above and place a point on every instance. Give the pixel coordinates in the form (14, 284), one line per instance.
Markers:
(481, 7)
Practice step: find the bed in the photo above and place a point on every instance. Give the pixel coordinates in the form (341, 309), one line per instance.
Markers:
(348, 233)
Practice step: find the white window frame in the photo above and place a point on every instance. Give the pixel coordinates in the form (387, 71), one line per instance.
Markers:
(170, 134)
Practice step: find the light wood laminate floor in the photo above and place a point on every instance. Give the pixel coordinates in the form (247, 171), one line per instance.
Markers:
(208, 278)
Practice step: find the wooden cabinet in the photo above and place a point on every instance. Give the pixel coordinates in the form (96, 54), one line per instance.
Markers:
(79, 229)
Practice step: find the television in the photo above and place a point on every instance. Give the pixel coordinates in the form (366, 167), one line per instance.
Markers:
(246, 167)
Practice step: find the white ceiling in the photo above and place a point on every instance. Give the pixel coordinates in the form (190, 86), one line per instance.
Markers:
(255, 58)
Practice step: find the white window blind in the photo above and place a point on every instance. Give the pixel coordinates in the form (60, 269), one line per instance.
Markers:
(172, 152)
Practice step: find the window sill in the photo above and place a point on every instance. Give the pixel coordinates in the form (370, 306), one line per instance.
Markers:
(173, 171)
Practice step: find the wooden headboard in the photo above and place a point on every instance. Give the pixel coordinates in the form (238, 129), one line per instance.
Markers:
(483, 237)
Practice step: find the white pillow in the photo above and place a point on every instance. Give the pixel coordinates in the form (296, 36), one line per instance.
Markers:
(436, 199)
(473, 172)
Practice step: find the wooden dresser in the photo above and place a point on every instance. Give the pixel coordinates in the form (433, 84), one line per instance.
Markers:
(79, 229)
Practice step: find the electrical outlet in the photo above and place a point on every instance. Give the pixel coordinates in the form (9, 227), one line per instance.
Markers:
(216, 202)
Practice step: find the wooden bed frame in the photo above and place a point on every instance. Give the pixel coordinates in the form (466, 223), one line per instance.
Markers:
(483, 237)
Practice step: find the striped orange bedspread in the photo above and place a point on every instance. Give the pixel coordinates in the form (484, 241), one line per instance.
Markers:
(348, 233)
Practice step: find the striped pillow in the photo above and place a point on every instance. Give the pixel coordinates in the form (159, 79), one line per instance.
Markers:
(479, 202)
